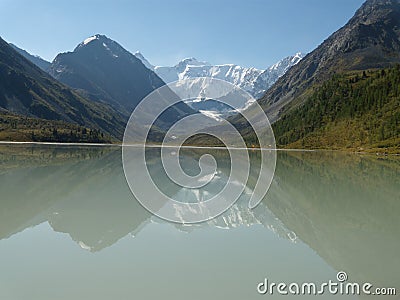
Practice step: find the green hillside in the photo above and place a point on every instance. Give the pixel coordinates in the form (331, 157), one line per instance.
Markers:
(354, 111)
(24, 129)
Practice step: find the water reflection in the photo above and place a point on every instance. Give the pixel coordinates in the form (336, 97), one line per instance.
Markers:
(87, 196)
(345, 207)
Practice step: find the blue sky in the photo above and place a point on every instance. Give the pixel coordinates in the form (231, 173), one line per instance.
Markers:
(253, 33)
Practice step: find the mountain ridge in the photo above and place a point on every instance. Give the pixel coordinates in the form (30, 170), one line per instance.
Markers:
(251, 79)
(343, 94)
(102, 69)
(36, 59)
(28, 91)
(94, 67)
(370, 39)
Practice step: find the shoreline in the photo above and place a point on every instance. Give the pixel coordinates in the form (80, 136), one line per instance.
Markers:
(372, 152)
(56, 143)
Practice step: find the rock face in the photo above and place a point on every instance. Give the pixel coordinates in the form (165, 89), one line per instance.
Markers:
(371, 39)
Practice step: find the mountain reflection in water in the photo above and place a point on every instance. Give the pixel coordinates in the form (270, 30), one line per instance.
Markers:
(343, 206)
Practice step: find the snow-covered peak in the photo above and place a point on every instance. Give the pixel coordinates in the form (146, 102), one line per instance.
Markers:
(99, 42)
(89, 39)
(140, 56)
(105, 41)
(284, 64)
(252, 80)
(188, 60)
(191, 61)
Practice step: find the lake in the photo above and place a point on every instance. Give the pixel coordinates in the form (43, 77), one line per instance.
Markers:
(70, 228)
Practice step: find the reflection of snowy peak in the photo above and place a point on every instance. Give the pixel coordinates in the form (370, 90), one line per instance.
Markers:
(240, 215)
(252, 80)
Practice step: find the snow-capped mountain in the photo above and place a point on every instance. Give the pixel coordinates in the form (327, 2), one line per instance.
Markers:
(101, 69)
(252, 80)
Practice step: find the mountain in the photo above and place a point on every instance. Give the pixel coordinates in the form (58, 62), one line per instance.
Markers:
(103, 70)
(37, 60)
(344, 94)
(27, 91)
(371, 39)
(252, 80)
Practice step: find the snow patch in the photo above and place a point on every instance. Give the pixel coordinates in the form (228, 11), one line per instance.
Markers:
(105, 46)
(89, 39)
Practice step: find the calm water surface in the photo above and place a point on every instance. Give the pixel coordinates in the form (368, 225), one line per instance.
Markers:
(71, 229)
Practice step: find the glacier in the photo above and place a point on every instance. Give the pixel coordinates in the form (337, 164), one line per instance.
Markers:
(254, 81)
